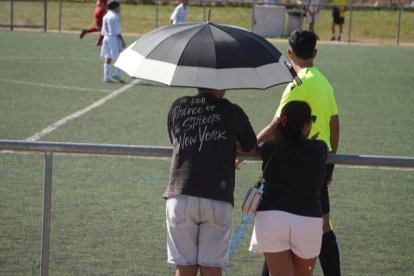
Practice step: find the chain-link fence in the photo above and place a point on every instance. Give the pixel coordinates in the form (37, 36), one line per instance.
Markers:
(389, 23)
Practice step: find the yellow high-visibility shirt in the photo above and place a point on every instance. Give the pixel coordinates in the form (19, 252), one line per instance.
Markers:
(319, 94)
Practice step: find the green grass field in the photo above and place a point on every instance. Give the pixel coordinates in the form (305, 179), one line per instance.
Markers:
(108, 213)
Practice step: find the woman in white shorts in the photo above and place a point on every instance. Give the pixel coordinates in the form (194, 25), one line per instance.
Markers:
(288, 223)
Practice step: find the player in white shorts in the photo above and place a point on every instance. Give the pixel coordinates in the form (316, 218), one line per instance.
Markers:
(113, 41)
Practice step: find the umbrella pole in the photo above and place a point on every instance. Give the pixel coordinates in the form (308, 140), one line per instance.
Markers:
(209, 15)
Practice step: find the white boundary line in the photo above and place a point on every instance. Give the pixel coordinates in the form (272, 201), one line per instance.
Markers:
(55, 86)
(79, 113)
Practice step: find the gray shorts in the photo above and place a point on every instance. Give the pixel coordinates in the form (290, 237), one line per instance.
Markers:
(198, 231)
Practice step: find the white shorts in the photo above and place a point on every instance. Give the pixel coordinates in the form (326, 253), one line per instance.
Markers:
(277, 231)
(111, 47)
(198, 231)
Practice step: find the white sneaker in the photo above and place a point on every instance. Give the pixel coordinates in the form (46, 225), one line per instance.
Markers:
(118, 78)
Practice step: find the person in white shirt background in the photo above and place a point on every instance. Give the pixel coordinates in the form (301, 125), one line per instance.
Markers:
(113, 42)
(312, 13)
(179, 14)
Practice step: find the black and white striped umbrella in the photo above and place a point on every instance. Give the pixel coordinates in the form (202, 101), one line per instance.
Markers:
(205, 55)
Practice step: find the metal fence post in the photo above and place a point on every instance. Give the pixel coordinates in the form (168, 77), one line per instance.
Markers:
(204, 10)
(45, 16)
(11, 14)
(47, 204)
(399, 25)
(157, 11)
(60, 15)
(350, 23)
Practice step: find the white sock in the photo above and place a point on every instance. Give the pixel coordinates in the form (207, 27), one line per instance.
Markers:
(107, 71)
(117, 72)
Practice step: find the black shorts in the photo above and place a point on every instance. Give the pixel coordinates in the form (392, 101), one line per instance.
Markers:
(337, 19)
(324, 191)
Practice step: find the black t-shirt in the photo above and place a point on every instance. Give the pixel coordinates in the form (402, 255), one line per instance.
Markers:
(294, 184)
(203, 130)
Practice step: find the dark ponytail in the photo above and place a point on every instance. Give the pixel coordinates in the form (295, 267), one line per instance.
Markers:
(287, 134)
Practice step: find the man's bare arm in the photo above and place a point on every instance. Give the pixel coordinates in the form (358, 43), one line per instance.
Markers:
(263, 135)
(266, 132)
(334, 128)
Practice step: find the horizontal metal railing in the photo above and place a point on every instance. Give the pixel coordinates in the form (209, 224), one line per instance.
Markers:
(110, 149)
(48, 148)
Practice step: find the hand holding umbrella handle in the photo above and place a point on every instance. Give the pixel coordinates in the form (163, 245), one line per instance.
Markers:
(293, 72)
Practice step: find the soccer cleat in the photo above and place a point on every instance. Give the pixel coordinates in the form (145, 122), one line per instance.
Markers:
(82, 34)
(107, 80)
(332, 37)
(339, 38)
(118, 78)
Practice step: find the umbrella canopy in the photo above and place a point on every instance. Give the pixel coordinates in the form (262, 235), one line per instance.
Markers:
(205, 55)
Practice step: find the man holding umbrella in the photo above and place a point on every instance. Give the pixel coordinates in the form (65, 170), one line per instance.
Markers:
(204, 131)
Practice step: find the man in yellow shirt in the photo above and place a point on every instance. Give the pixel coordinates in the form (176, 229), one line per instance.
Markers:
(318, 92)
